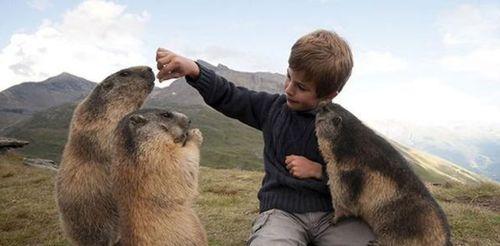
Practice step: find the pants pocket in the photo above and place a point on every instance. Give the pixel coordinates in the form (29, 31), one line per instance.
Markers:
(261, 220)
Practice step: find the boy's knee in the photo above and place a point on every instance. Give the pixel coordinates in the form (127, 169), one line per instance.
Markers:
(276, 227)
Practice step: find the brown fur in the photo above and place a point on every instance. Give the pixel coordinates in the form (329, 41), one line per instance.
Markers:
(155, 179)
(370, 179)
(87, 210)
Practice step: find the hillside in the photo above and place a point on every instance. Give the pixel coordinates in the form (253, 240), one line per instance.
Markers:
(21, 101)
(227, 205)
(47, 132)
(228, 143)
(473, 146)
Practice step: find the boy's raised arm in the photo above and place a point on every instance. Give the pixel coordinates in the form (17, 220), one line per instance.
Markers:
(250, 107)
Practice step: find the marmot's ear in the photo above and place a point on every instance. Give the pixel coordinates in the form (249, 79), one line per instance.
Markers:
(323, 103)
(138, 119)
(337, 121)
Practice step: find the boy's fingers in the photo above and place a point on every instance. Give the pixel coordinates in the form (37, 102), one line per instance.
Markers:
(163, 61)
(162, 77)
(160, 54)
(170, 67)
(162, 49)
(166, 77)
(161, 74)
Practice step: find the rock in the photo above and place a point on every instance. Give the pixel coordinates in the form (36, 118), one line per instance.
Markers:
(40, 163)
(11, 143)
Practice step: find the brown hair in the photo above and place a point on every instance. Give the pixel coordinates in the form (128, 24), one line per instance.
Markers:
(324, 58)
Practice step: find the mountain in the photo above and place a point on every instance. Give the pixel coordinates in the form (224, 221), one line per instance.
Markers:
(473, 146)
(21, 101)
(228, 143)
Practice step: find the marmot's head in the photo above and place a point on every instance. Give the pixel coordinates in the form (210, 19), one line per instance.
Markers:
(153, 129)
(126, 89)
(329, 122)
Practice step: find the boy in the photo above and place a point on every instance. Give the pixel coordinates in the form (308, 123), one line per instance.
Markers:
(295, 202)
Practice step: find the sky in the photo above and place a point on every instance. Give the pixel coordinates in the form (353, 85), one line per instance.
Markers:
(428, 62)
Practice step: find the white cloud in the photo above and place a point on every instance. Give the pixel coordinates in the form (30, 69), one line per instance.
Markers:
(234, 58)
(425, 101)
(483, 61)
(471, 35)
(377, 62)
(92, 40)
(40, 4)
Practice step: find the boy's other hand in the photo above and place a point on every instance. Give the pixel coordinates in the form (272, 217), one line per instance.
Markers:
(173, 66)
(302, 168)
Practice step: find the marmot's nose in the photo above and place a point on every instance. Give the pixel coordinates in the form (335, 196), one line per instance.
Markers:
(183, 119)
(147, 73)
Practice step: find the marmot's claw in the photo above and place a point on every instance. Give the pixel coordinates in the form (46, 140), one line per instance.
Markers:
(337, 219)
(373, 243)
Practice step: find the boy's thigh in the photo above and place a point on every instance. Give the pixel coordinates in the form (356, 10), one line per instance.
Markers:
(277, 227)
(350, 231)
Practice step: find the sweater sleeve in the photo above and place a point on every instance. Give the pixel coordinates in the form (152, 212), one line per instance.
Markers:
(247, 106)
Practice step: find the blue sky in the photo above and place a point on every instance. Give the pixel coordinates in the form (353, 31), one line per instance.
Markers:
(421, 61)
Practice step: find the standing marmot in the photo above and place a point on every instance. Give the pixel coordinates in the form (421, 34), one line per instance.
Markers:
(370, 179)
(87, 210)
(155, 179)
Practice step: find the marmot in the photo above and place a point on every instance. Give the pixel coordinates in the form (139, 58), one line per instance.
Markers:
(87, 210)
(155, 179)
(370, 179)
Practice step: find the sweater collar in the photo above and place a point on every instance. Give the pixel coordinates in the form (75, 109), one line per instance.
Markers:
(311, 112)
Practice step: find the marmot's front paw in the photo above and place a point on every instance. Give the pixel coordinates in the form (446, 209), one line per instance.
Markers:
(340, 214)
(195, 135)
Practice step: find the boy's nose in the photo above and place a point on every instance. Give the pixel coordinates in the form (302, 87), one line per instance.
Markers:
(289, 89)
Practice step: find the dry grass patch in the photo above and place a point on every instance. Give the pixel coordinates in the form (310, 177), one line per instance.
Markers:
(227, 206)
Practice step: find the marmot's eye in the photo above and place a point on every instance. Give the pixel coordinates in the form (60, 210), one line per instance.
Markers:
(124, 73)
(167, 115)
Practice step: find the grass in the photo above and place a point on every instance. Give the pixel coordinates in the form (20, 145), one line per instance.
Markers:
(28, 216)
(227, 205)
(47, 133)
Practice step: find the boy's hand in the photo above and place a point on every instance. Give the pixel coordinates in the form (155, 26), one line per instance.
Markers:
(302, 168)
(173, 66)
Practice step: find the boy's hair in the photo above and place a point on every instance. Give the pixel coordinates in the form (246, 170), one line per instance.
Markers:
(324, 58)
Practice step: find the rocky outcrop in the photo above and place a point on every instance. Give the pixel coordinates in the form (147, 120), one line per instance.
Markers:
(11, 143)
(40, 163)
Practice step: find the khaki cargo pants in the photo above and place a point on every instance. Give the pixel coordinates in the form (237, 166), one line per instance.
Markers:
(277, 227)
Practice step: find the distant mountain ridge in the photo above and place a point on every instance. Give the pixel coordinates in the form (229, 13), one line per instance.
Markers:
(21, 101)
(43, 119)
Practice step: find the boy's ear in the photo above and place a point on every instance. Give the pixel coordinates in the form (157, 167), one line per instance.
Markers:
(331, 95)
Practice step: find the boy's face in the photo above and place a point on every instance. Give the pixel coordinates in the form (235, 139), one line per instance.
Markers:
(300, 95)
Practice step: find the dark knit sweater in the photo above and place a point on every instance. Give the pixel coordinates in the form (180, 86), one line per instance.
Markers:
(286, 132)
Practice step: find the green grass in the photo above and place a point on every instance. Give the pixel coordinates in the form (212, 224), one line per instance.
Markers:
(227, 205)
(28, 216)
(47, 132)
